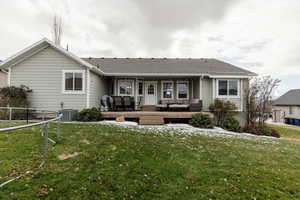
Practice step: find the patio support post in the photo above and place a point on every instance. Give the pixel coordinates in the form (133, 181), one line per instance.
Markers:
(192, 88)
(135, 93)
(214, 89)
(200, 87)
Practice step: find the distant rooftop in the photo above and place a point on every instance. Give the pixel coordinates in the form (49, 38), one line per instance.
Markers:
(167, 66)
(291, 98)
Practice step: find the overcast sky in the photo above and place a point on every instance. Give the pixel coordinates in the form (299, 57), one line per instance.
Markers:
(262, 36)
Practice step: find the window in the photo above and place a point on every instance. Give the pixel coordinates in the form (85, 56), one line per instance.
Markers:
(73, 81)
(125, 87)
(182, 90)
(167, 89)
(140, 88)
(228, 87)
(151, 89)
(291, 110)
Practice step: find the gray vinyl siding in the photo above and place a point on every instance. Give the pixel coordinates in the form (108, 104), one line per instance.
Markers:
(3, 79)
(43, 74)
(98, 88)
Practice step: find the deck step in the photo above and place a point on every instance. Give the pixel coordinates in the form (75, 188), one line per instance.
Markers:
(149, 108)
(151, 120)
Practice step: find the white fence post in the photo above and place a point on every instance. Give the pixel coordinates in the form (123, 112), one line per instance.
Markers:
(10, 114)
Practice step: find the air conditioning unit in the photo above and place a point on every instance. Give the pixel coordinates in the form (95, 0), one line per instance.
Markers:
(69, 115)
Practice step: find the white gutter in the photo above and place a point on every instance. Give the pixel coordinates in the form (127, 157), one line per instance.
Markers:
(176, 75)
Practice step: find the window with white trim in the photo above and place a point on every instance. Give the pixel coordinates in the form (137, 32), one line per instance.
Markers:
(182, 90)
(73, 81)
(125, 87)
(140, 88)
(167, 89)
(228, 88)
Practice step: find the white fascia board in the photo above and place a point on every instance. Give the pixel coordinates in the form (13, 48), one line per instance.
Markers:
(21, 52)
(176, 75)
(58, 48)
(230, 76)
(153, 74)
(74, 57)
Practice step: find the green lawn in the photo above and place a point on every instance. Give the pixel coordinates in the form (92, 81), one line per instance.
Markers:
(288, 132)
(117, 163)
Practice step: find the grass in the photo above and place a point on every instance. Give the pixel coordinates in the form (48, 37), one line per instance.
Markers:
(287, 132)
(118, 163)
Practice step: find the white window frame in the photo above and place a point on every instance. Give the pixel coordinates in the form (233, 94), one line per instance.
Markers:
(132, 87)
(188, 91)
(64, 82)
(162, 90)
(137, 88)
(228, 96)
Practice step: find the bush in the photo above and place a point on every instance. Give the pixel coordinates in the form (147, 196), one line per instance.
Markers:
(261, 129)
(14, 97)
(222, 110)
(89, 114)
(201, 121)
(232, 124)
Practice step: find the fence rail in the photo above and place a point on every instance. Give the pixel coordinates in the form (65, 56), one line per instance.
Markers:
(44, 123)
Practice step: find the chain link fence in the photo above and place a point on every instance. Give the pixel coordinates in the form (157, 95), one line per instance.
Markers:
(32, 118)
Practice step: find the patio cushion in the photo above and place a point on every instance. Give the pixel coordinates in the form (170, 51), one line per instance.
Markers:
(194, 101)
(179, 105)
(161, 105)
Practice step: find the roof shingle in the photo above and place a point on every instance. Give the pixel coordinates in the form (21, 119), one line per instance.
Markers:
(167, 65)
(291, 98)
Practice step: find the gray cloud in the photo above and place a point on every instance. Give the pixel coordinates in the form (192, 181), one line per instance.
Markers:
(239, 32)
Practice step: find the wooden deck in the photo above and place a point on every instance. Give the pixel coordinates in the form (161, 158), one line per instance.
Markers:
(150, 117)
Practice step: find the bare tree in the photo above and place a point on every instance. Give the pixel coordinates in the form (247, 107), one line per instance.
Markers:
(57, 29)
(259, 97)
(250, 95)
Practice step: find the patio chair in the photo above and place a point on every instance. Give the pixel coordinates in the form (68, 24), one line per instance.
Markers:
(117, 102)
(110, 102)
(104, 105)
(128, 103)
(196, 106)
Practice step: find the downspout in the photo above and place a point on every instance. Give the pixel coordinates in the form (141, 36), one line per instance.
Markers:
(9, 77)
(88, 88)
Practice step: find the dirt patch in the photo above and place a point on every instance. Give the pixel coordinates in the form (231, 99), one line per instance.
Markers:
(67, 156)
(85, 141)
(295, 140)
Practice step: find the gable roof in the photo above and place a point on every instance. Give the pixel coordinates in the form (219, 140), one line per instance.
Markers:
(291, 98)
(39, 46)
(138, 66)
(167, 66)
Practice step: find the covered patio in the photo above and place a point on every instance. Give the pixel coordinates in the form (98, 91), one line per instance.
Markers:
(155, 94)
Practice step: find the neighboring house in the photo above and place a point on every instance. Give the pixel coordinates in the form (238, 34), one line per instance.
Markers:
(287, 106)
(3, 77)
(59, 77)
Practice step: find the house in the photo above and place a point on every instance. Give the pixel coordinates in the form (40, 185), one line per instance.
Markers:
(60, 79)
(287, 106)
(3, 77)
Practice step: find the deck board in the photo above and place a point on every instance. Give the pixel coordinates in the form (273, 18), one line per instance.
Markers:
(138, 114)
